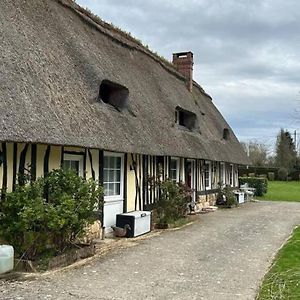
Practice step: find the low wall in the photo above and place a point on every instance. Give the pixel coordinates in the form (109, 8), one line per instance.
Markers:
(205, 200)
(92, 232)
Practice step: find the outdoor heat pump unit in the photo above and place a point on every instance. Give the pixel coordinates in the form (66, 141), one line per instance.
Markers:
(139, 222)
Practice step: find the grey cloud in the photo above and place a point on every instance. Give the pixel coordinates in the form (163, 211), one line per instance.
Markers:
(246, 51)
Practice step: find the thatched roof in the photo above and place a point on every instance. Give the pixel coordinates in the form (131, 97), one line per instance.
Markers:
(53, 58)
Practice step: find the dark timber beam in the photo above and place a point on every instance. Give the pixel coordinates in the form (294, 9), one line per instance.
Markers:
(33, 162)
(15, 158)
(4, 176)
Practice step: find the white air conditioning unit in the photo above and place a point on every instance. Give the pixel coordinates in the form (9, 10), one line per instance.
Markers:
(139, 222)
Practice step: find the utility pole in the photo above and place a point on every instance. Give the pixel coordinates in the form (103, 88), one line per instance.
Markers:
(295, 140)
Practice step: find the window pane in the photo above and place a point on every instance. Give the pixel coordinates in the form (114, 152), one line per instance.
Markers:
(105, 175)
(208, 169)
(111, 162)
(106, 158)
(118, 162)
(117, 189)
(173, 164)
(66, 165)
(105, 186)
(118, 176)
(111, 187)
(71, 165)
(111, 177)
(75, 166)
(173, 174)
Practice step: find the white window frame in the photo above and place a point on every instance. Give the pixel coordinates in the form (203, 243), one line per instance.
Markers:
(209, 175)
(121, 195)
(177, 159)
(76, 157)
(223, 173)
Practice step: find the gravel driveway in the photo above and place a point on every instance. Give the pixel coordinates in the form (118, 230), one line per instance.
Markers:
(223, 255)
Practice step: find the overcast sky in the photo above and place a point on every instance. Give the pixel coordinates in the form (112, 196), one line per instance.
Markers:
(246, 53)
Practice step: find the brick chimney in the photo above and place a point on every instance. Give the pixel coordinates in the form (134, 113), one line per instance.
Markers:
(183, 62)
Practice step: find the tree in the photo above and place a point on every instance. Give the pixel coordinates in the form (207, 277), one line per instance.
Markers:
(257, 152)
(286, 155)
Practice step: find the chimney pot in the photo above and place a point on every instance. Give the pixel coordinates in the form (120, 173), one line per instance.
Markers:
(184, 62)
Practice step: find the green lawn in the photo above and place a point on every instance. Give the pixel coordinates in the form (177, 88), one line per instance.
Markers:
(283, 191)
(282, 282)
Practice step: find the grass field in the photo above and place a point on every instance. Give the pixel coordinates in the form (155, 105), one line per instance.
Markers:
(282, 282)
(283, 191)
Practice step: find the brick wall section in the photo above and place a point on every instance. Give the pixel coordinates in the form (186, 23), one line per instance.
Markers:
(184, 64)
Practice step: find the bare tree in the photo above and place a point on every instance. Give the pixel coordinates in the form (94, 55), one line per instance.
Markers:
(257, 152)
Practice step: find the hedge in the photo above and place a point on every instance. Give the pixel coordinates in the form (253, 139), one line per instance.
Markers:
(245, 172)
(260, 184)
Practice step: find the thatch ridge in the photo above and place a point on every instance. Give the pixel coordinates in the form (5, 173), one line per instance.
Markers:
(127, 39)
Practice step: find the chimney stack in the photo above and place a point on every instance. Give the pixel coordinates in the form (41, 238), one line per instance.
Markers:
(183, 62)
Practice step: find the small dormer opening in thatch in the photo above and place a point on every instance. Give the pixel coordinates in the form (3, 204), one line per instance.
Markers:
(226, 133)
(114, 94)
(185, 118)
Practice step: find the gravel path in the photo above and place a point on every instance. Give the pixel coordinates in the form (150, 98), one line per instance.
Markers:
(223, 255)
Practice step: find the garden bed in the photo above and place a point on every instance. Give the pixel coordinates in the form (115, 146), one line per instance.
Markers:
(48, 263)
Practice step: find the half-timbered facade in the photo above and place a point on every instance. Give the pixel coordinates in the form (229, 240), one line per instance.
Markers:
(77, 93)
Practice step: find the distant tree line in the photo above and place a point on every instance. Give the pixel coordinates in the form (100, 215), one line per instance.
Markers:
(285, 156)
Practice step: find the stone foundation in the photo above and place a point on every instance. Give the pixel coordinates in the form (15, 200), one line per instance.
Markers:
(92, 232)
(204, 201)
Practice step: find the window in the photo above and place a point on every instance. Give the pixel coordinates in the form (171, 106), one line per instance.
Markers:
(74, 162)
(174, 169)
(226, 133)
(207, 175)
(114, 94)
(113, 175)
(185, 118)
(222, 174)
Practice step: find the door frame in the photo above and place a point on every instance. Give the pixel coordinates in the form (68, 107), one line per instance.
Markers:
(193, 178)
(115, 199)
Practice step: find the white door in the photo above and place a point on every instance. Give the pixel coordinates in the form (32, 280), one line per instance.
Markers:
(113, 184)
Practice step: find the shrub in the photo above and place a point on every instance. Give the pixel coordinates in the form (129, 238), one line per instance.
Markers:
(260, 184)
(282, 173)
(226, 197)
(271, 176)
(172, 202)
(32, 223)
(230, 197)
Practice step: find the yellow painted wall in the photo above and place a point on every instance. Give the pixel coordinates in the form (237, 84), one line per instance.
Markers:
(95, 158)
(130, 185)
(40, 155)
(9, 149)
(55, 161)
(55, 157)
